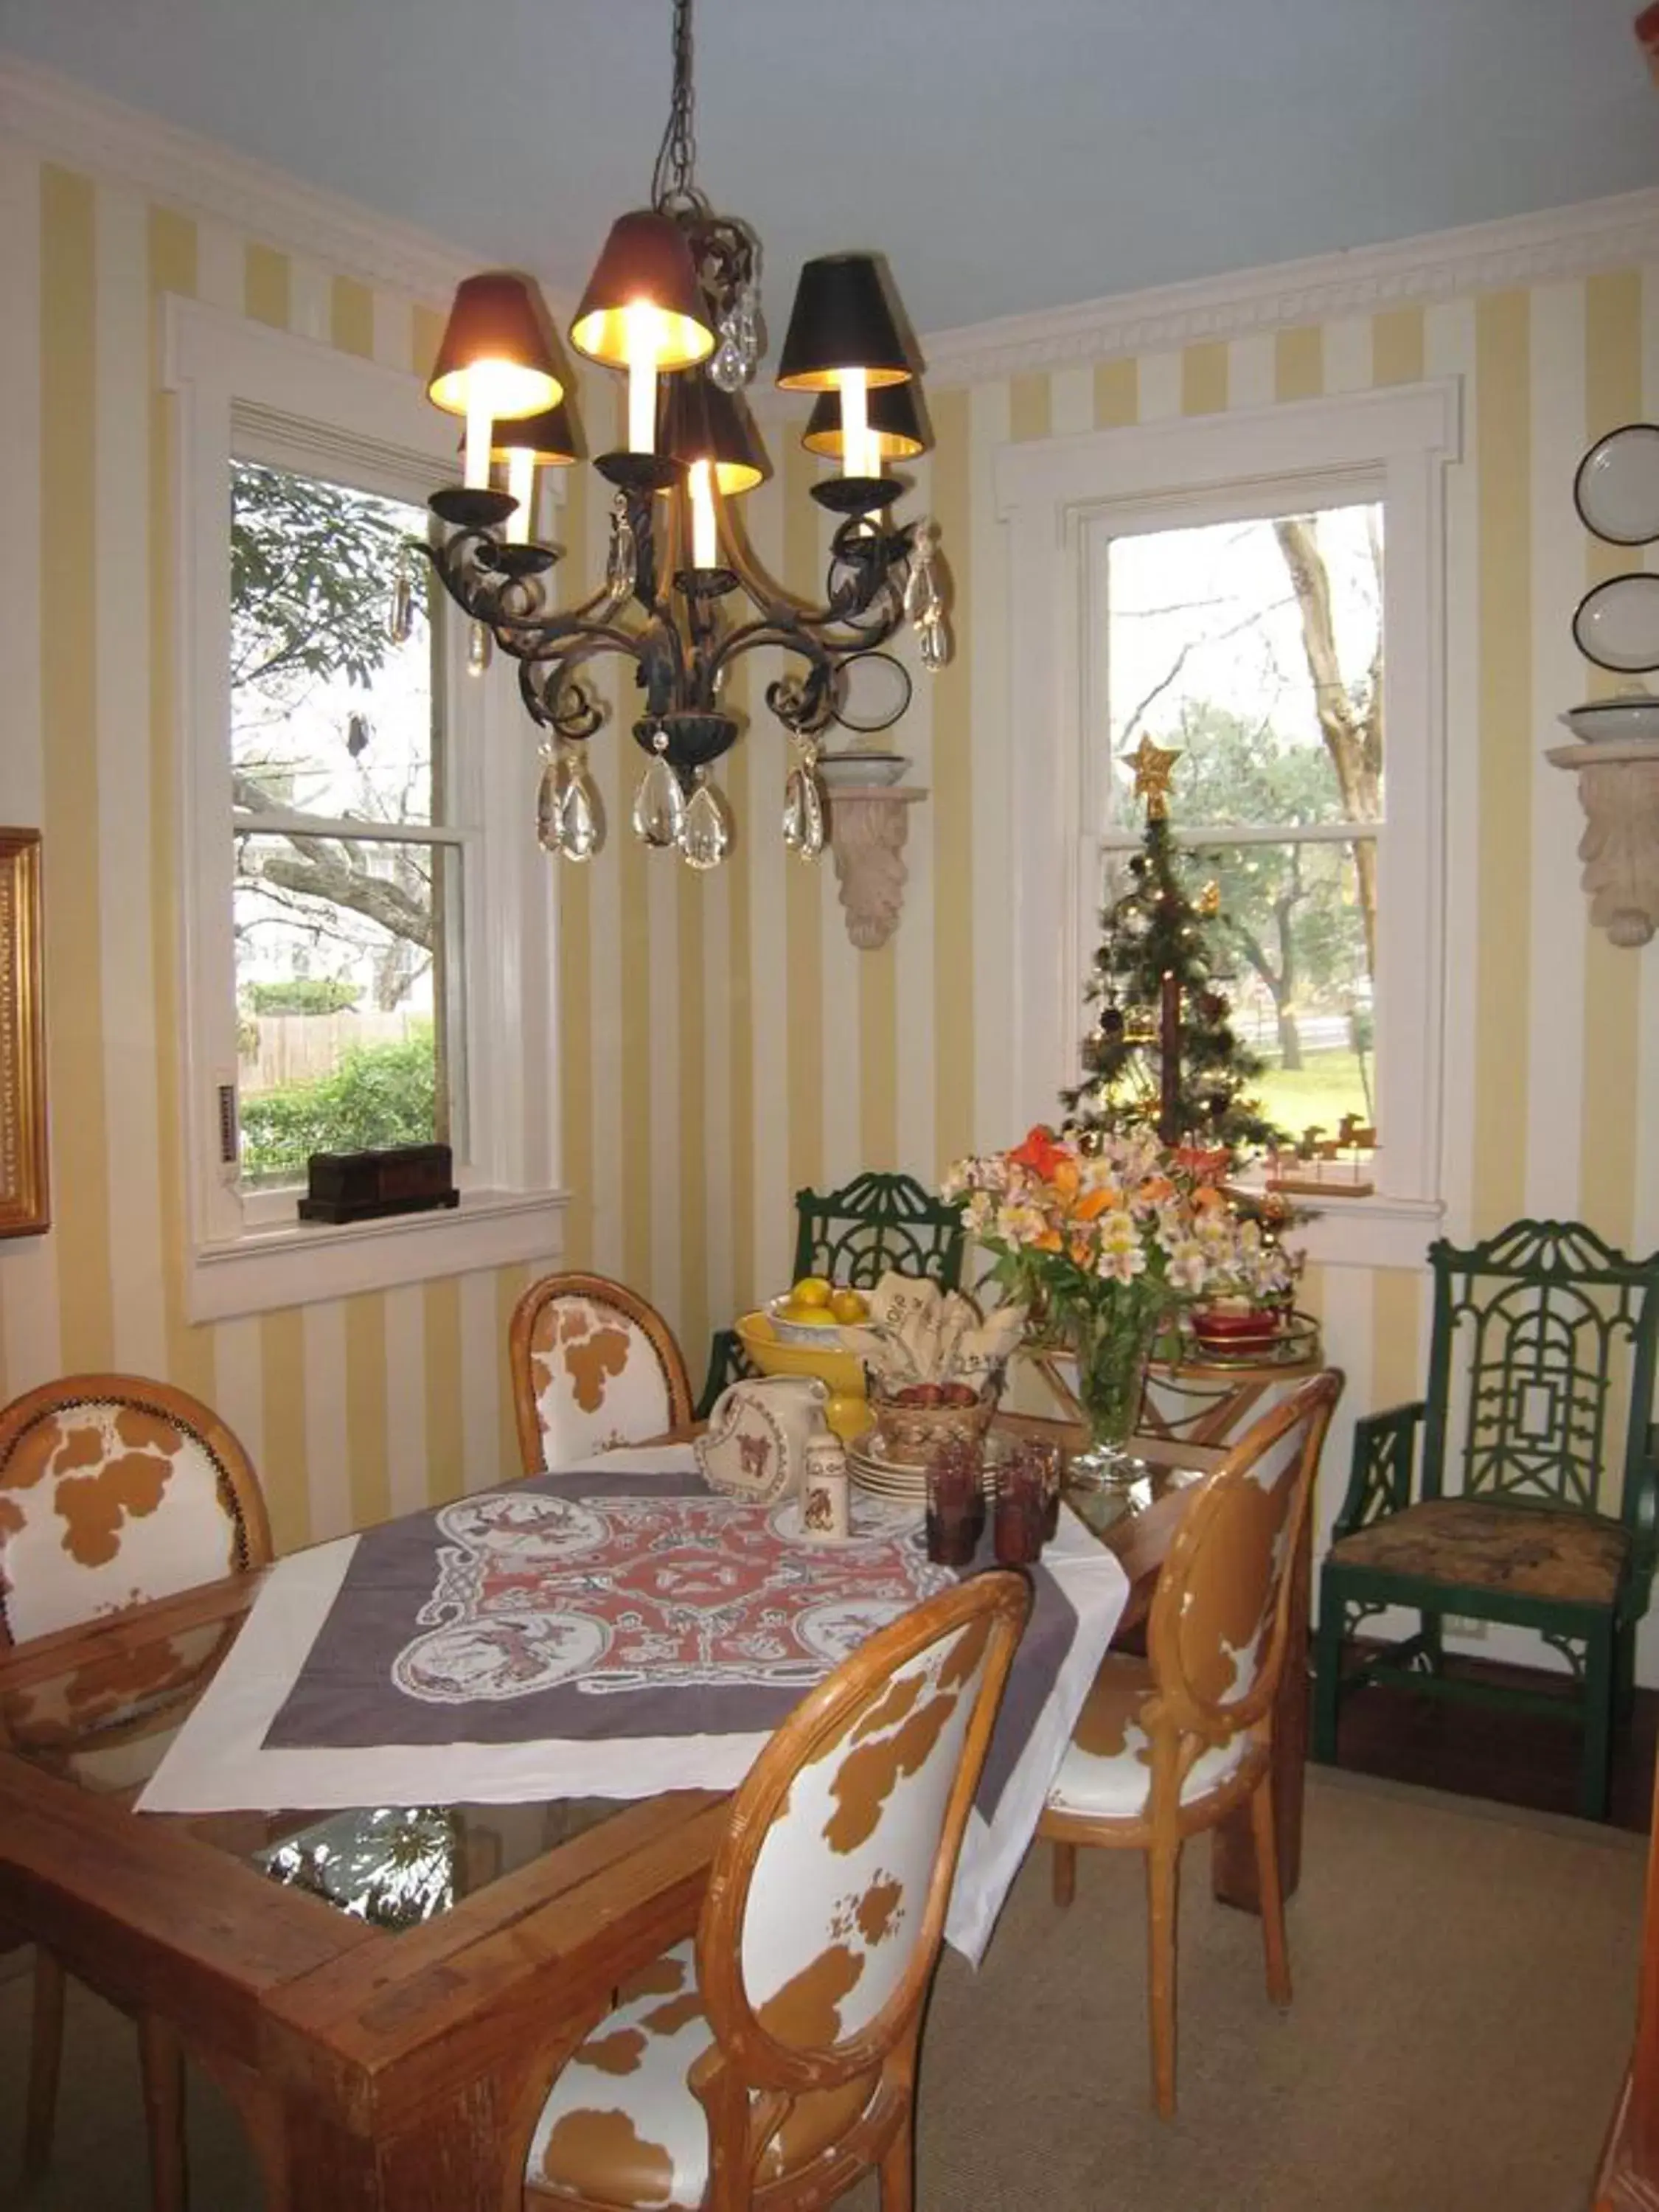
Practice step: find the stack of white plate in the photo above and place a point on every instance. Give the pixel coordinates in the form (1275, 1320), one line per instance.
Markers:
(899, 1479)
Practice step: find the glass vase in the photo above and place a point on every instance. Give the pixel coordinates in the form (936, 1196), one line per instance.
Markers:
(1111, 1343)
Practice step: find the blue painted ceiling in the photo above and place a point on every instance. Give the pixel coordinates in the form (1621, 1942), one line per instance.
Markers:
(1007, 159)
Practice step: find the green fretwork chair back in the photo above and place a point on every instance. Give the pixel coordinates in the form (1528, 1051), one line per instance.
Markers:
(1522, 1490)
(876, 1224)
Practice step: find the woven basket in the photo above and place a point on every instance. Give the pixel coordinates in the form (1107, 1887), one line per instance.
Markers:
(908, 1436)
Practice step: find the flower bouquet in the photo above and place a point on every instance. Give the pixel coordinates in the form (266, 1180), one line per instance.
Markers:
(1103, 1248)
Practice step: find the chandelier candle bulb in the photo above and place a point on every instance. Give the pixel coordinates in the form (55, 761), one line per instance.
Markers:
(521, 482)
(704, 551)
(479, 419)
(858, 453)
(642, 333)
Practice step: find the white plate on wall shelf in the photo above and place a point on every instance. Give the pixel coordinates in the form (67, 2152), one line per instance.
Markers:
(1616, 489)
(850, 771)
(1616, 625)
(1601, 721)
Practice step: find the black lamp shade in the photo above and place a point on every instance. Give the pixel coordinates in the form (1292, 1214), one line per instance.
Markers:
(843, 319)
(551, 436)
(897, 420)
(645, 261)
(498, 329)
(698, 422)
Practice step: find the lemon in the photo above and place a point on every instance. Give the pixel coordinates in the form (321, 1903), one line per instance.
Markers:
(806, 1317)
(812, 1290)
(850, 1307)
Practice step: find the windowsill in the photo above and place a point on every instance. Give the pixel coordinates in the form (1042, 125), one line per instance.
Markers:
(1367, 1232)
(299, 1263)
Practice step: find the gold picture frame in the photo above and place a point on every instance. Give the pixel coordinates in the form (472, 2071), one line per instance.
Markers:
(25, 1187)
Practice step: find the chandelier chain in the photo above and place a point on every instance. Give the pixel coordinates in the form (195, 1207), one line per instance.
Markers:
(671, 179)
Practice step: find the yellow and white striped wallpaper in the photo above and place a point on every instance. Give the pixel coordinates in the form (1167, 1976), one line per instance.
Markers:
(722, 1044)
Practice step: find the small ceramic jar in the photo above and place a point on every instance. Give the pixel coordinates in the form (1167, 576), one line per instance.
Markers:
(825, 1496)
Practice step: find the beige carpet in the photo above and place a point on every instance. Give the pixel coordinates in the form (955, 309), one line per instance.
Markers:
(1465, 1979)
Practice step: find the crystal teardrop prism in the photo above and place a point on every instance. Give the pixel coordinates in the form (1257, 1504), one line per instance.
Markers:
(400, 613)
(660, 806)
(726, 368)
(815, 815)
(805, 813)
(581, 816)
(706, 837)
(794, 809)
(549, 801)
(480, 648)
(622, 560)
(935, 641)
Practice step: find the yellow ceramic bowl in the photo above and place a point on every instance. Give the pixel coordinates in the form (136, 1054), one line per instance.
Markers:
(841, 1372)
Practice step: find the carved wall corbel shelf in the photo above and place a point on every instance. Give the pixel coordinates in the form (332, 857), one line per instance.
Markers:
(868, 825)
(1619, 789)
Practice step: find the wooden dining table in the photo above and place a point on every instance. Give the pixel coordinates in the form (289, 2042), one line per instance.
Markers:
(381, 2069)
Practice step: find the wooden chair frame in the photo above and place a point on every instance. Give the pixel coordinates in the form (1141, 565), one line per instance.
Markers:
(1182, 1725)
(600, 1290)
(745, 2057)
(161, 2057)
(747, 2080)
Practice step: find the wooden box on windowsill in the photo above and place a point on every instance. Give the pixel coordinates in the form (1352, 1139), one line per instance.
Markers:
(361, 1186)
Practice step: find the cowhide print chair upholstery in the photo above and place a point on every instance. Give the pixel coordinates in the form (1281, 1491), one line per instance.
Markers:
(771, 2062)
(593, 1365)
(1169, 1746)
(114, 1489)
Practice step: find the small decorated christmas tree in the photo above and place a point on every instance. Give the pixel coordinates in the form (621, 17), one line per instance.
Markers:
(1163, 1052)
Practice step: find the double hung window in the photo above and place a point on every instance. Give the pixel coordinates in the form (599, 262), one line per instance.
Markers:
(368, 921)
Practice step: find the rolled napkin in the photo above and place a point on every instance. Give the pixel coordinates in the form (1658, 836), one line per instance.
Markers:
(918, 1333)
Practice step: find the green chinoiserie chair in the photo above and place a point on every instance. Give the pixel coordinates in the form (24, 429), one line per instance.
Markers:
(1523, 1489)
(873, 1224)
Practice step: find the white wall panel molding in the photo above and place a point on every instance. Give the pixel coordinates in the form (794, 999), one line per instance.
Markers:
(69, 123)
(1524, 250)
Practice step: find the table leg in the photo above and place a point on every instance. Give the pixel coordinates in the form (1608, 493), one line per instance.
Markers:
(1232, 1855)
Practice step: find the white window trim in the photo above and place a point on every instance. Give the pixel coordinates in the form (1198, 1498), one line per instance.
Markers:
(1394, 443)
(222, 369)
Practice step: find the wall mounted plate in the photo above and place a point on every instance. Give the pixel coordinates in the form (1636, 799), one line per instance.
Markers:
(872, 690)
(1616, 490)
(1616, 625)
(1612, 721)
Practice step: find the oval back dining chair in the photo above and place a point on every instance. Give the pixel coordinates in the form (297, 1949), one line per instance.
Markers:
(593, 1365)
(772, 2061)
(1169, 1746)
(114, 1489)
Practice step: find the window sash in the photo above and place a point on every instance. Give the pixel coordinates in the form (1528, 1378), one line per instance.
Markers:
(1055, 496)
(243, 390)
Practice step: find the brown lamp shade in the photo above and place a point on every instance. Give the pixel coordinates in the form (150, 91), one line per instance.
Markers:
(552, 437)
(896, 418)
(646, 259)
(698, 422)
(498, 326)
(843, 319)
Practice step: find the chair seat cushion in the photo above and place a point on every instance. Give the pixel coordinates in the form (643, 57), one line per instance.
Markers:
(1525, 1550)
(621, 2124)
(1106, 1773)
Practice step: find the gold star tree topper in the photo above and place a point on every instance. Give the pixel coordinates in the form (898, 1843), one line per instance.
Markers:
(1154, 767)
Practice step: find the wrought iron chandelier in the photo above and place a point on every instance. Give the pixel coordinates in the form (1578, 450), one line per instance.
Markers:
(674, 301)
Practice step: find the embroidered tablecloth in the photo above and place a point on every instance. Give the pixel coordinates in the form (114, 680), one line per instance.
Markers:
(615, 1631)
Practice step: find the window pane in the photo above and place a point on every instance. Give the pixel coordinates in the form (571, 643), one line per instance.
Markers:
(342, 1015)
(1230, 642)
(330, 715)
(1291, 938)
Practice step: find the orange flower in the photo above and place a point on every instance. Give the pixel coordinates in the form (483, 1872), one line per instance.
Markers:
(1157, 1190)
(1040, 1153)
(1049, 1242)
(1093, 1203)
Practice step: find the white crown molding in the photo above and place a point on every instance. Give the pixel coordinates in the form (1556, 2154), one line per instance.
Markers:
(1521, 250)
(84, 130)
